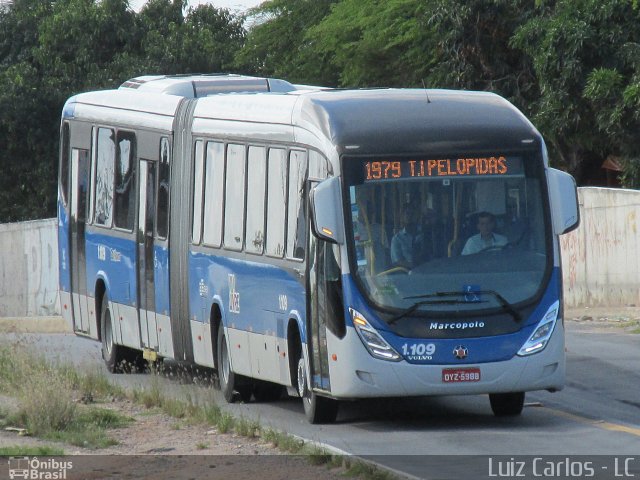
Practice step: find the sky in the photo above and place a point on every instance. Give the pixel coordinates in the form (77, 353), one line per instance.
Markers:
(232, 5)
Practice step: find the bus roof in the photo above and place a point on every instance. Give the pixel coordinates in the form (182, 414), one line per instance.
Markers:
(126, 108)
(367, 122)
(408, 121)
(196, 86)
(388, 121)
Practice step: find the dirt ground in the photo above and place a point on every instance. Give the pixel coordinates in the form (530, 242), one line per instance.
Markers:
(604, 319)
(157, 446)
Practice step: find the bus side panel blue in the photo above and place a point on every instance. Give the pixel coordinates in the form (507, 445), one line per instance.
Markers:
(64, 273)
(481, 349)
(161, 279)
(116, 259)
(251, 292)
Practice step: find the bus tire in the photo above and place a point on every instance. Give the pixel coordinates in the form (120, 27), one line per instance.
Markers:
(112, 353)
(507, 404)
(316, 408)
(230, 383)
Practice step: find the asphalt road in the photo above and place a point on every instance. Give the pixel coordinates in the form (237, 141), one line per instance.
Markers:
(598, 413)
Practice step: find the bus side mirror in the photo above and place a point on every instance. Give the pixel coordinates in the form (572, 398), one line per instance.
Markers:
(563, 197)
(326, 211)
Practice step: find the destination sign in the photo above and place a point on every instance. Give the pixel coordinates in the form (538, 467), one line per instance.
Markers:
(444, 167)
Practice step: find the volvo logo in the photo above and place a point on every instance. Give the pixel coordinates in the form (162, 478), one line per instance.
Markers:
(460, 352)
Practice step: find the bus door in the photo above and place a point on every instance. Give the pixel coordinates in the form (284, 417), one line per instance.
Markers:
(77, 252)
(325, 307)
(146, 268)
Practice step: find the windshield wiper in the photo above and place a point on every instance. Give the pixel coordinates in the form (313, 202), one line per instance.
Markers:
(415, 306)
(506, 306)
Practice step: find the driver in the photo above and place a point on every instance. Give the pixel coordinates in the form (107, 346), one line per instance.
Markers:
(486, 238)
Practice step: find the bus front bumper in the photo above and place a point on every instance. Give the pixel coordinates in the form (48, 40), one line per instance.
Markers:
(356, 374)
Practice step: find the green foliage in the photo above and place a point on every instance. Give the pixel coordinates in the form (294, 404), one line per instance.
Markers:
(573, 66)
(277, 45)
(25, 450)
(47, 395)
(372, 42)
(584, 54)
(50, 50)
(204, 41)
(247, 428)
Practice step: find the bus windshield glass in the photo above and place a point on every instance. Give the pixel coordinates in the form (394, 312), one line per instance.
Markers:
(451, 234)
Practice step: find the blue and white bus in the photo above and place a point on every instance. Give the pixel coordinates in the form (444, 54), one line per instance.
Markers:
(339, 244)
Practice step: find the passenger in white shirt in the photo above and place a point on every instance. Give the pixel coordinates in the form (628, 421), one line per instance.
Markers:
(486, 238)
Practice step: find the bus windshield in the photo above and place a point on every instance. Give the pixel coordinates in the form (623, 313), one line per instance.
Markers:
(450, 234)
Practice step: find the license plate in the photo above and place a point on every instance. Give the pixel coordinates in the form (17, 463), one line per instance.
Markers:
(455, 375)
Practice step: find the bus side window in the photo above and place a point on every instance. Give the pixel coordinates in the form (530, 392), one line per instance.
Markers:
(197, 192)
(296, 221)
(125, 181)
(319, 167)
(276, 200)
(82, 157)
(256, 183)
(234, 197)
(106, 155)
(162, 212)
(214, 194)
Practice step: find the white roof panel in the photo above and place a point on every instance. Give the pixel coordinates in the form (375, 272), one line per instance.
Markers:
(131, 100)
(262, 108)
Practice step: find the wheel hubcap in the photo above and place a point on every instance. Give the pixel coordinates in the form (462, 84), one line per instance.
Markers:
(108, 334)
(302, 379)
(225, 362)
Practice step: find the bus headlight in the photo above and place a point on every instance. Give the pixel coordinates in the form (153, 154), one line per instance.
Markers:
(373, 341)
(540, 337)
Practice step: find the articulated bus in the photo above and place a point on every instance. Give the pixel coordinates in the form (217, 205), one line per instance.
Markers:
(330, 244)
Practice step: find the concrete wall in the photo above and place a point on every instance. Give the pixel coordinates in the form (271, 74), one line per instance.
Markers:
(29, 269)
(601, 258)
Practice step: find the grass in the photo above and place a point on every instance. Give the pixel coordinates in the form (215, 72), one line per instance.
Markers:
(367, 470)
(56, 403)
(633, 327)
(209, 414)
(50, 400)
(28, 451)
(247, 428)
(225, 423)
(282, 441)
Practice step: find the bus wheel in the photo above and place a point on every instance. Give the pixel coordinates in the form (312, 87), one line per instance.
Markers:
(229, 383)
(317, 409)
(507, 404)
(112, 354)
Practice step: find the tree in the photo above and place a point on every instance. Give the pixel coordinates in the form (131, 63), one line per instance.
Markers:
(81, 41)
(613, 90)
(472, 45)
(584, 54)
(277, 44)
(51, 49)
(373, 42)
